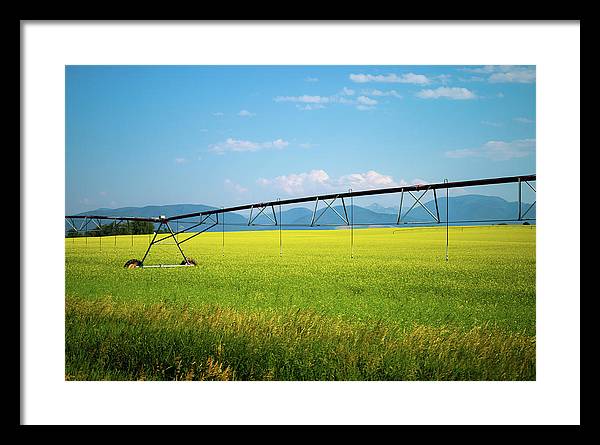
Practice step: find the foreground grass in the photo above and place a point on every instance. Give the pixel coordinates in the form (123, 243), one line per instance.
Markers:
(396, 311)
(107, 340)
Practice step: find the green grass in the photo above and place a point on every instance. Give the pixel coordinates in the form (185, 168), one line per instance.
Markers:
(396, 311)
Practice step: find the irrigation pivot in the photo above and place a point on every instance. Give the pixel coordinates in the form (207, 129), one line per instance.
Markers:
(208, 219)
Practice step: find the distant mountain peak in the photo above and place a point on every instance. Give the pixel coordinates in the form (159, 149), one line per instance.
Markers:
(470, 207)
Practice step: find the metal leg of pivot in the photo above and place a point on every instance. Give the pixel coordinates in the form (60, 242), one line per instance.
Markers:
(151, 242)
(447, 202)
(176, 242)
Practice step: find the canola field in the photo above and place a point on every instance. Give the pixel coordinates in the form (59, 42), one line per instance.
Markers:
(390, 308)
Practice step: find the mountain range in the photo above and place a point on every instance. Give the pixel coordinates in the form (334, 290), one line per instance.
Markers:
(472, 208)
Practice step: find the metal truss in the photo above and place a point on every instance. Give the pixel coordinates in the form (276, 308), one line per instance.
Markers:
(328, 205)
(436, 217)
(261, 211)
(210, 218)
(522, 215)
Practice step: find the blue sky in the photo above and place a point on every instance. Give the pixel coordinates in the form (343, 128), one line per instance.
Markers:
(226, 135)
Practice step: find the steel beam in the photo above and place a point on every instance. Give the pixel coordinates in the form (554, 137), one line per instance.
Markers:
(382, 191)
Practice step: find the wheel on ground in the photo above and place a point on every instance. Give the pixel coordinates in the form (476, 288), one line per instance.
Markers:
(132, 264)
(189, 262)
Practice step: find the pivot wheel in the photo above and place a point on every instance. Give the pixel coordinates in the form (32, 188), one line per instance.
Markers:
(132, 264)
(189, 262)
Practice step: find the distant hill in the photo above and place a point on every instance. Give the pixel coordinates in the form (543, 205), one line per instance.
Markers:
(472, 208)
(151, 211)
(381, 209)
(461, 208)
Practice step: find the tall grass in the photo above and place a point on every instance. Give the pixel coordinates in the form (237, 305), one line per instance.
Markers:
(106, 340)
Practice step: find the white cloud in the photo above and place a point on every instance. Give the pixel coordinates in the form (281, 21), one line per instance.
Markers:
(364, 100)
(311, 79)
(517, 76)
(416, 181)
(484, 69)
(345, 97)
(218, 114)
(308, 102)
(103, 194)
(472, 79)
(246, 113)
(310, 106)
(180, 161)
(390, 78)
(523, 120)
(505, 73)
(380, 93)
(263, 181)
(235, 145)
(454, 93)
(368, 180)
(443, 78)
(314, 181)
(318, 181)
(234, 186)
(342, 100)
(492, 124)
(279, 143)
(239, 145)
(497, 150)
(303, 99)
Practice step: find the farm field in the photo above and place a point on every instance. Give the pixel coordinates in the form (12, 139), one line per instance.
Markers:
(395, 311)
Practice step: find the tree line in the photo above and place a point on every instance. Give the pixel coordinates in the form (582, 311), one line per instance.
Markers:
(124, 228)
